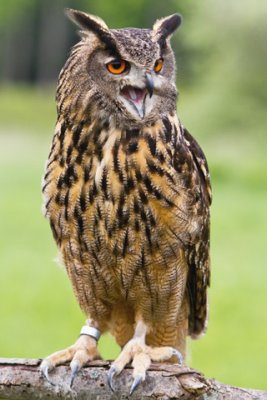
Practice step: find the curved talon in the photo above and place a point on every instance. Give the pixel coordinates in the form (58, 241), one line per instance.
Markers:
(179, 356)
(112, 371)
(137, 380)
(75, 368)
(44, 369)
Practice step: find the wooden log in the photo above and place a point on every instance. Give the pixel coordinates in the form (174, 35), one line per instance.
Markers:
(21, 379)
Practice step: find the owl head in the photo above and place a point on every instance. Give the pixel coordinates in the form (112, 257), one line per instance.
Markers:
(124, 75)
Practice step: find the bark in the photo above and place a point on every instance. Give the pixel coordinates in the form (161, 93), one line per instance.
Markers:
(20, 379)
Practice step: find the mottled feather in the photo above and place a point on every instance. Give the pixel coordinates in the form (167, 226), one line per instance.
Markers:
(128, 197)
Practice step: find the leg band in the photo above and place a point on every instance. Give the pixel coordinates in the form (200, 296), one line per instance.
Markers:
(90, 331)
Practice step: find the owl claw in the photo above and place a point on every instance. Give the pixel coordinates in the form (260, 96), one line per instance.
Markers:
(137, 380)
(44, 369)
(75, 367)
(179, 356)
(112, 371)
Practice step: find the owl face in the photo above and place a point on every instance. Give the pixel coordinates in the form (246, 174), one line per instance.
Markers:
(129, 73)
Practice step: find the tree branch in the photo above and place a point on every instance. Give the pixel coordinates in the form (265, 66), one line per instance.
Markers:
(20, 379)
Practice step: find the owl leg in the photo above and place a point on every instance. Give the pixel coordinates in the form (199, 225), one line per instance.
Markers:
(141, 356)
(171, 332)
(82, 351)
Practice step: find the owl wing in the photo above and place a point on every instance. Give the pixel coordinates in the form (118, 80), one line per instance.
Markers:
(197, 253)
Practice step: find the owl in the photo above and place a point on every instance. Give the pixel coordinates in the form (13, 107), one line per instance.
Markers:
(127, 194)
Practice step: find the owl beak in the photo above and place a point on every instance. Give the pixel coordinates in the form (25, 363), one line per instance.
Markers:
(149, 83)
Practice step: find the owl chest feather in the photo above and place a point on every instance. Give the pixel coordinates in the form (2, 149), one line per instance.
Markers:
(123, 206)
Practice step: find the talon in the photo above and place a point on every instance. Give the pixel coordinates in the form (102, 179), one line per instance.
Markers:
(137, 380)
(44, 369)
(179, 356)
(75, 368)
(112, 371)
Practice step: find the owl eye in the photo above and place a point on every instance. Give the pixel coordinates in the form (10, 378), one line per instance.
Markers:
(158, 65)
(117, 66)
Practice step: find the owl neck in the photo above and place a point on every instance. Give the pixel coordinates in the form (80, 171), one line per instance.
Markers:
(99, 120)
(92, 122)
(93, 136)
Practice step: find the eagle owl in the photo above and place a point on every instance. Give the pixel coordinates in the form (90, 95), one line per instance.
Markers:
(127, 194)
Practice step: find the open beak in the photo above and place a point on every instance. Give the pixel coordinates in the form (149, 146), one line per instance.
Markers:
(136, 96)
(149, 84)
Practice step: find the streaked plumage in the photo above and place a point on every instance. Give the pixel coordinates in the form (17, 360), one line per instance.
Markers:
(127, 189)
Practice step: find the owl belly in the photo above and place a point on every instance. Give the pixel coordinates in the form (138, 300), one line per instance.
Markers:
(130, 232)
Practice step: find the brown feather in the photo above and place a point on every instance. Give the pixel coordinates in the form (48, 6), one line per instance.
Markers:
(128, 200)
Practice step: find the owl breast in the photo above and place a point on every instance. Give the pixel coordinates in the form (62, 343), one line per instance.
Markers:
(117, 205)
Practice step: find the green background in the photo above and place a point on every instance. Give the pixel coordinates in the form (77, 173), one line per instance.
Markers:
(222, 64)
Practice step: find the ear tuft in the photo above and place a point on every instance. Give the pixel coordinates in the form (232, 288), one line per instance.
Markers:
(165, 27)
(85, 21)
(91, 23)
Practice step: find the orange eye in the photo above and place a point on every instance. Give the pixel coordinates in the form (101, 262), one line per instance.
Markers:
(158, 65)
(117, 66)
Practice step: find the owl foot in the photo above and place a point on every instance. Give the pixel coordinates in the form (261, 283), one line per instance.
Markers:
(141, 356)
(82, 351)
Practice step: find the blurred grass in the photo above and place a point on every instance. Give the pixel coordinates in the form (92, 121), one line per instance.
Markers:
(38, 311)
